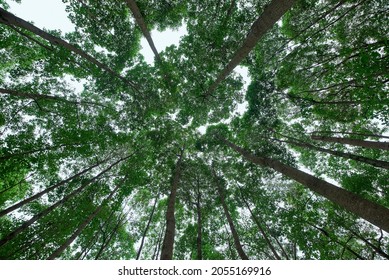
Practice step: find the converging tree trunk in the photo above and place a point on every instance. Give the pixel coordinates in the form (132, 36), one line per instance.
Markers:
(48, 210)
(199, 227)
(261, 229)
(39, 96)
(10, 19)
(83, 225)
(147, 227)
(271, 14)
(40, 194)
(370, 161)
(234, 233)
(168, 241)
(353, 142)
(368, 210)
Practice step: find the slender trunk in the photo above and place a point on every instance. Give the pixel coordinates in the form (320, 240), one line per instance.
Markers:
(8, 156)
(48, 210)
(199, 227)
(371, 245)
(257, 222)
(147, 228)
(24, 180)
(234, 233)
(168, 241)
(352, 133)
(10, 19)
(353, 142)
(322, 16)
(271, 14)
(83, 225)
(38, 195)
(158, 244)
(105, 244)
(333, 239)
(281, 247)
(368, 210)
(373, 162)
(45, 96)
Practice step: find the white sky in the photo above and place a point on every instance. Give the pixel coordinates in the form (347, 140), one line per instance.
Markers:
(50, 14)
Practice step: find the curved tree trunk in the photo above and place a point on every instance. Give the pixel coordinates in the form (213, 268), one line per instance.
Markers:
(168, 241)
(271, 14)
(10, 19)
(368, 210)
(147, 228)
(353, 142)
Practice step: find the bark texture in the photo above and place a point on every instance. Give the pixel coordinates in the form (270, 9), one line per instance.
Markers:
(168, 241)
(368, 210)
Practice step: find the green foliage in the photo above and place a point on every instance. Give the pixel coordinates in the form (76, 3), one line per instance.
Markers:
(321, 71)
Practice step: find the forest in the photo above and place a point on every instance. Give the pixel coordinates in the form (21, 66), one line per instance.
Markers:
(158, 161)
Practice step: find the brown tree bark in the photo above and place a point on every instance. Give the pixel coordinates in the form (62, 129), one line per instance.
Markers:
(368, 210)
(353, 142)
(168, 241)
(271, 14)
(143, 27)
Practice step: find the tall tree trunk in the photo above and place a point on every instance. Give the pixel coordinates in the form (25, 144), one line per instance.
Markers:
(9, 156)
(353, 142)
(168, 241)
(234, 233)
(371, 245)
(271, 14)
(48, 210)
(199, 227)
(351, 133)
(257, 222)
(38, 96)
(143, 27)
(368, 210)
(38, 195)
(147, 228)
(333, 239)
(366, 160)
(83, 225)
(112, 234)
(158, 244)
(10, 19)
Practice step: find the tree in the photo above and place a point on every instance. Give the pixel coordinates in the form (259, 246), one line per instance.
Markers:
(104, 156)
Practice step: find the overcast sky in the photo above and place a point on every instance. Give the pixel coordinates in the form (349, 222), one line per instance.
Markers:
(51, 14)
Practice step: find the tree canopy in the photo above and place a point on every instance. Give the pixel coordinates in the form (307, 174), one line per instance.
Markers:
(123, 169)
